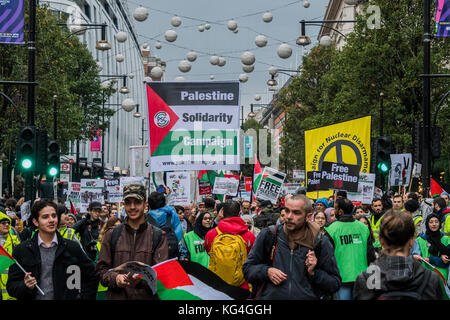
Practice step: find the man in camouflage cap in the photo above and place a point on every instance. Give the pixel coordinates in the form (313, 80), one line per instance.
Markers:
(136, 240)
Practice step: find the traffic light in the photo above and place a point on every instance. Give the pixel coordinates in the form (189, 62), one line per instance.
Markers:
(41, 151)
(97, 172)
(53, 164)
(26, 152)
(383, 154)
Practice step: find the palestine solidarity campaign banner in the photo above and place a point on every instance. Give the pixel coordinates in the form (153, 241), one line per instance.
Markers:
(193, 125)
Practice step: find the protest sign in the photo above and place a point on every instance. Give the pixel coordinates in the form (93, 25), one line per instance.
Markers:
(339, 176)
(180, 184)
(204, 188)
(401, 167)
(270, 185)
(91, 190)
(290, 188)
(115, 192)
(74, 194)
(366, 188)
(226, 186)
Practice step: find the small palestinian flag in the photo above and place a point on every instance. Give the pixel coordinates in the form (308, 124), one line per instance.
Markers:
(257, 177)
(187, 280)
(6, 260)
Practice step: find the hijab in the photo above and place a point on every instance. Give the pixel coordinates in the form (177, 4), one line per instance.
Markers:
(434, 238)
(199, 229)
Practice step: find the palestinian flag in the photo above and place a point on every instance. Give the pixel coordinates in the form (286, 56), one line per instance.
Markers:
(72, 208)
(257, 177)
(208, 175)
(6, 260)
(187, 280)
(436, 188)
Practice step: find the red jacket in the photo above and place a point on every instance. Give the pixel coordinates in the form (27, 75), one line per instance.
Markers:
(234, 225)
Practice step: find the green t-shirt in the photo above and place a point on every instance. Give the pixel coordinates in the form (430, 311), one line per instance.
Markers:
(350, 241)
(195, 246)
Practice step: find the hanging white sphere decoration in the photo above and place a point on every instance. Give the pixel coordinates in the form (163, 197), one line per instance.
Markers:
(121, 36)
(158, 45)
(106, 84)
(175, 21)
(156, 72)
(191, 56)
(284, 51)
(325, 41)
(261, 41)
(140, 14)
(306, 4)
(214, 60)
(128, 104)
(201, 28)
(207, 26)
(247, 68)
(257, 97)
(145, 46)
(273, 70)
(232, 25)
(170, 35)
(243, 77)
(184, 66)
(248, 58)
(76, 26)
(267, 17)
(222, 61)
(131, 75)
(211, 77)
(180, 79)
(120, 57)
(99, 66)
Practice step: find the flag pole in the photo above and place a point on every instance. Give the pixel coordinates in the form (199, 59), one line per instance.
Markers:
(195, 194)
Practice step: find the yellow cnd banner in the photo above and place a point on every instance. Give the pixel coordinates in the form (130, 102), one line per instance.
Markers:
(345, 142)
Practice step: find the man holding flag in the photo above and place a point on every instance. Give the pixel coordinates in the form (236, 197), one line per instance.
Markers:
(47, 266)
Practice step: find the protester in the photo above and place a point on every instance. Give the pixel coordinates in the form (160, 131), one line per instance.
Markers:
(133, 240)
(282, 217)
(376, 217)
(246, 208)
(352, 247)
(321, 219)
(433, 246)
(165, 217)
(185, 223)
(104, 215)
(331, 216)
(321, 204)
(218, 213)
(9, 240)
(248, 219)
(210, 204)
(293, 260)
(63, 229)
(88, 229)
(358, 211)
(267, 216)
(440, 208)
(192, 242)
(71, 220)
(47, 257)
(397, 272)
(375, 243)
(397, 202)
(411, 208)
(232, 235)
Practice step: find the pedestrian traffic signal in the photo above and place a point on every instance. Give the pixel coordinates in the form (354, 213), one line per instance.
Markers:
(383, 154)
(97, 172)
(53, 158)
(26, 152)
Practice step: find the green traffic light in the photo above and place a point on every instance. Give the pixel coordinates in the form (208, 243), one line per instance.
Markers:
(53, 171)
(383, 167)
(27, 163)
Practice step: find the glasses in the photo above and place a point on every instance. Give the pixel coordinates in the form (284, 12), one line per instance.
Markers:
(207, 218)
(5, 222)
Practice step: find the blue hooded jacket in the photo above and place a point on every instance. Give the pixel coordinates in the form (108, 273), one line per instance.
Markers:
(160, 215)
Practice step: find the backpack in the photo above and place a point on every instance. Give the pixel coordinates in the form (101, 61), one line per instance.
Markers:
(227, 256)
(407, 295)
(172, 240)
(156, 239)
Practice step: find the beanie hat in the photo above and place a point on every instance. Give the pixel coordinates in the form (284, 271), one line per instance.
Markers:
(323, 201)
(73, 216)
(411, 205)
(445, 193)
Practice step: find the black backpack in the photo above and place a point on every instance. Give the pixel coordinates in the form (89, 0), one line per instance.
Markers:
(407, 295)
(172, 240)
(117, 230)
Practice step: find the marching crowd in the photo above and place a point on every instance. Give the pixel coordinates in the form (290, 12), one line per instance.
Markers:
(398, 247)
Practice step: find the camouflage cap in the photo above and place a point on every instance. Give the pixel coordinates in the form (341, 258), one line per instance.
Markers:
(134, 191)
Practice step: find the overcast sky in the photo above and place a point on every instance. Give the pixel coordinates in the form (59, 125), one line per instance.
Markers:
(219, 40)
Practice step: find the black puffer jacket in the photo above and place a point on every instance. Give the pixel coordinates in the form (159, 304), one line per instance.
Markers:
(89, 231)
(396, 274)
(298, 285)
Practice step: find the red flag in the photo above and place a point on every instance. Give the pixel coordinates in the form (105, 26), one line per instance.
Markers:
(72, 208)
(435, 188)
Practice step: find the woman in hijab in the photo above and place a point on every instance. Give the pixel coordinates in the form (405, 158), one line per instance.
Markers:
(433, 247)
(192, 242)
(331, 217)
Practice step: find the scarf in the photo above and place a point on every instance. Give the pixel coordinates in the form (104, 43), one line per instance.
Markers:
(199, 229)
(304, 236)
(434, 238)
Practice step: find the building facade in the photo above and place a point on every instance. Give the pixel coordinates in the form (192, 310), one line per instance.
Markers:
(125, 130)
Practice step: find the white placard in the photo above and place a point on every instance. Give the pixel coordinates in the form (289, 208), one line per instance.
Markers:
(179, 183)
(226, 186)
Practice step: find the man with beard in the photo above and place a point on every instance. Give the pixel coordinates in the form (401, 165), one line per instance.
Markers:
(293, 260)
(375, 218)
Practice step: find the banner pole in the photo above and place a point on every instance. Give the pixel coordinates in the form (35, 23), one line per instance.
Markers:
(195, 194)
(410, 183)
